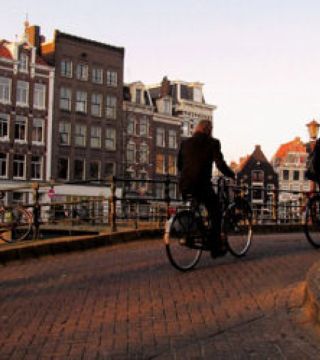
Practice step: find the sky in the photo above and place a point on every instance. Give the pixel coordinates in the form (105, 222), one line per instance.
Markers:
(259, 60)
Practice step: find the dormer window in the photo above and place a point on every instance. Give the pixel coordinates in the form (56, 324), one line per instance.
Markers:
(23, 63)
(197, 95)
(138, 96)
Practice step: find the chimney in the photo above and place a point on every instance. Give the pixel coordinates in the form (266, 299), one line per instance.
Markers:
(165, 87)
(34, 38)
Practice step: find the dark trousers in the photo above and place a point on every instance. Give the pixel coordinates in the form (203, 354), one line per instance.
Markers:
(209, 198)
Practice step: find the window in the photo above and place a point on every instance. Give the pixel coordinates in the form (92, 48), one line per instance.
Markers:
(96, 104)
(22, 93)
(5, 90)
(160, 164)
(172, 191)
(20, 128)
(159, 191)
(94, 170)
(78, 169)
(18, 166)
(131, 153)
(131, 125)
(63, 168)
(172, 166)
(296, 175)
(172, 139)
(112, 78)
(138, 96)
(111, 107)
(144, 154)
(4, 126)
(160, 137)
(143, 126)
(185, 128)
(109, 169)
(95, 140)
(110, 141)
(3, 165)
(65, 98)
(38, 131)
(257, 194)
(36, 167)
(82, 72)
(197, 95)
(23, 62)
(285, 174)
(97, 75)
(80, 135)
(39, 96)
(167, 106)
(81, 101)
(64, 132)
(257, 175)
(66, 68)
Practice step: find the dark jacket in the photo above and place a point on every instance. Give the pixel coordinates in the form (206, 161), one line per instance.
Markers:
(195, 159)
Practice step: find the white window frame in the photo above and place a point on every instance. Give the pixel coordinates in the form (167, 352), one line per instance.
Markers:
(111, 107)
(80, 135)
(82, 71)
(131, 153)
(4, 126)
(81, 101)
(96, 104)
(160, 167)
(95, 138)
(66, 68)
(64, 129)
(38, 164)
(38, 131)
(4, 160)
(110, 140)
(172, 139)
(23, 62)
(21, 122)
(160, 137)
(19, 163)
(5, 90)
(144, 126)
(65, 98)
(97, 75)
(112, 78)
(144, 154)
(39, 96)
(172, 168)
(22, 93)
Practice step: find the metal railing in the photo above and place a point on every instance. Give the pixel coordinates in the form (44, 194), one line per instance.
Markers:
(127, 207)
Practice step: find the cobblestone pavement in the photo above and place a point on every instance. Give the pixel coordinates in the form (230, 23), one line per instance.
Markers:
(127, 302)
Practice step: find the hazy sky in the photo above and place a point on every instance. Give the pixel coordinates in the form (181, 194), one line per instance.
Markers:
(259, 59)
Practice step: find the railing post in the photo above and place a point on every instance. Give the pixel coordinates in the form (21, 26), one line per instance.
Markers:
(167, 195)
(36, 210)
(112, 205)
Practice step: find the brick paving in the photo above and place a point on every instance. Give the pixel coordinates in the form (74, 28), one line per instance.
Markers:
(127, 302)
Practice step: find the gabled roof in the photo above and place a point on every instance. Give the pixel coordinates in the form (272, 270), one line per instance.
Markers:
(4, 51)
(295, 145)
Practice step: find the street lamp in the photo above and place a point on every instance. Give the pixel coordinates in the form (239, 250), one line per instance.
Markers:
(313, 129)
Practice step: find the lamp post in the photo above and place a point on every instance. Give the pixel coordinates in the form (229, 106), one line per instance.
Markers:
(313, 129)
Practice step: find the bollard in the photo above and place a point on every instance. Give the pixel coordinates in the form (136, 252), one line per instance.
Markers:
(36, 211)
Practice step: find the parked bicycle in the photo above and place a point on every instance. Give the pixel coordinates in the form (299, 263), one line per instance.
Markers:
(312, 220)
(15, 222)
(186, 232)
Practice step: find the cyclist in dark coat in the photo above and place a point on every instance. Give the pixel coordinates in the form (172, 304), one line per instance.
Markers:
(195, 159)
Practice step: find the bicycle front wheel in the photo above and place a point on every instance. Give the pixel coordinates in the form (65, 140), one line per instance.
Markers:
(183, 240)
(15, 224)
(312, 221)
(237, 225)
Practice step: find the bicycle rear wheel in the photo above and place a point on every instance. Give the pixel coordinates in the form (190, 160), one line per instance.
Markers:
(237, 225)
(312, 221)
(183, 240)
(15, 224)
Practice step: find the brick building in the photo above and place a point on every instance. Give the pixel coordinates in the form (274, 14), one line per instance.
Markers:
(26, 96)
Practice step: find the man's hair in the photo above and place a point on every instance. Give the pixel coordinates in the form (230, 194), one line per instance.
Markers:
(203, 126)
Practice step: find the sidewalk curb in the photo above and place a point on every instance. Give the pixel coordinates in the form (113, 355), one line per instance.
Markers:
(313, 292)
(37, 248)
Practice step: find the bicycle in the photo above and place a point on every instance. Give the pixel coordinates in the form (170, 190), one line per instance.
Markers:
(312, 220)
(15, 222)
(187, 232)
